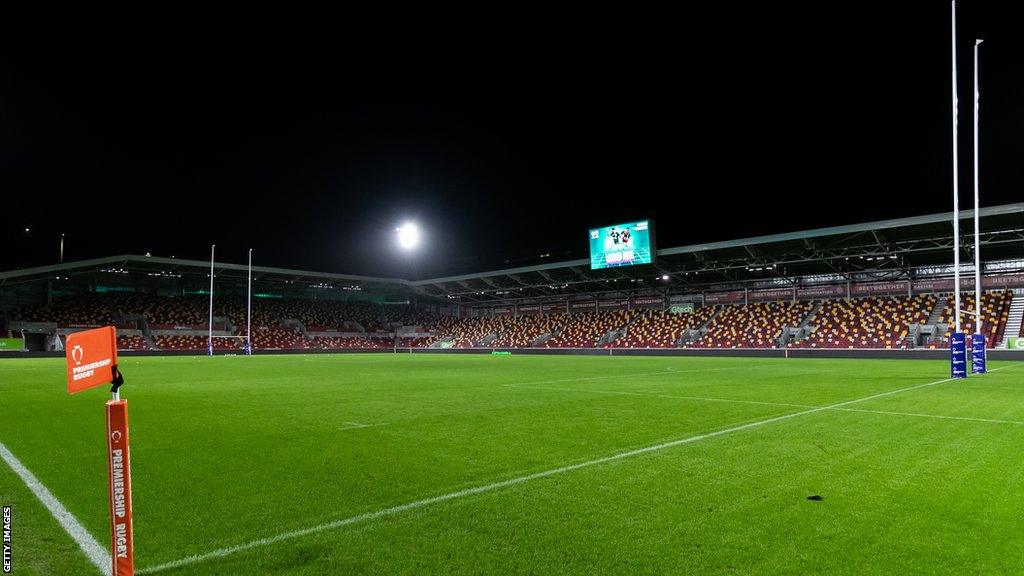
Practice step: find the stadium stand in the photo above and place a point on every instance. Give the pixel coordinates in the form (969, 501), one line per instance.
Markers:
(175, 342)
(406, 316)
(522, 331)
(995, 311)
(278, 338)
(133, 342)
(866, 322)
(179, 323)
(177, 311)
(661, 329)
(586, 329)
(415, 342)
(80, 311)
(756, 325)
(348, 342)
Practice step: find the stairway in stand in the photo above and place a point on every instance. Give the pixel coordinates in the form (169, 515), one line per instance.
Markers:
(1013, 322)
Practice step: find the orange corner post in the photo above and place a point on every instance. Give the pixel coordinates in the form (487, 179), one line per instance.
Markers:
(92, 361)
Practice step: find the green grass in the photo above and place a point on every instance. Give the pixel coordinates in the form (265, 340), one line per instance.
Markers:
(230, 450)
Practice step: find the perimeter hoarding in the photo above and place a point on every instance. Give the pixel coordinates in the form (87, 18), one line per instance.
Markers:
(626, 244)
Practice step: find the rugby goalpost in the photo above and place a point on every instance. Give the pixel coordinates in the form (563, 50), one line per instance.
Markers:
(957, 340)
(246, 341)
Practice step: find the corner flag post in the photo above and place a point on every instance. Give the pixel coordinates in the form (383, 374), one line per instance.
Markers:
(978, 363)
(91, 361)
(957, 344)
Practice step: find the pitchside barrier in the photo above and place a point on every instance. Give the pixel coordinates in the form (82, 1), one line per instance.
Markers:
(92, 361)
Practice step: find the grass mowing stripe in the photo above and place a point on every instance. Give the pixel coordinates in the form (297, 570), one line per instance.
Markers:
(658, 373)
(222, 552)
(90, 547)
(659, 395)
(939, 416)
(764, 403)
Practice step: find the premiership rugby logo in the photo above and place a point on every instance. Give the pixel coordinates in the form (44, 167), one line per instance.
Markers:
(77, 354)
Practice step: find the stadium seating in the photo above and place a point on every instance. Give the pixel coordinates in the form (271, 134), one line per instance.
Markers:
(585, 329)
(995, 311)
(85, 310)
(756, 325)
(131, 343)
(415, 342)
(866, 322)
(406, 316)
(661, 329)
(521, 331)
(195, 343)
(340, 343)
(278, 337)
(178, 311)
(874, 322)
(468, 332)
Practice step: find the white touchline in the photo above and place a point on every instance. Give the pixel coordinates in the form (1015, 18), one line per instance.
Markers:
(222, 552)
(96, 554)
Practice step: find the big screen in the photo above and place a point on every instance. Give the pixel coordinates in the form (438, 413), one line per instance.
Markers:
(622, 245)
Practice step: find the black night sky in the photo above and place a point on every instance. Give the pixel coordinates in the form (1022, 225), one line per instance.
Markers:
(505, 134)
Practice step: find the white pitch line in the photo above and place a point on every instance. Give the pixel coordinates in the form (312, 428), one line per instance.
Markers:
(763, 403)
(96, 554)
(664, 372)
(659, 395)
(222, 552)
(939, 416)
(780, 404)
(354, 425)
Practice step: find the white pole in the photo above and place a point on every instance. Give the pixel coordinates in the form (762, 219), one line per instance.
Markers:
(977, 207)
(248, 312)
(956, 190)
(209, 338)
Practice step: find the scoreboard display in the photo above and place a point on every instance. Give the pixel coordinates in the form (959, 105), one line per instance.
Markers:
(622, 245)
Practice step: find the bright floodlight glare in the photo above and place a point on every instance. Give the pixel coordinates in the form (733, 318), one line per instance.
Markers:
(408, 236)
(664, 277)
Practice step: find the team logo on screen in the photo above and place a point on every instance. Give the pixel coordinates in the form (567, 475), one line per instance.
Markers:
(77, 353)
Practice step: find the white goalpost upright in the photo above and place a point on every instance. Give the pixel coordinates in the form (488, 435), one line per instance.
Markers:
(209, 337)
(248, 311)
(956, 190)
(957, 341)
(978, 365)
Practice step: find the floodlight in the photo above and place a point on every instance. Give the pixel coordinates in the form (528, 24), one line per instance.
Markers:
(664, 277)
(408, 236)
